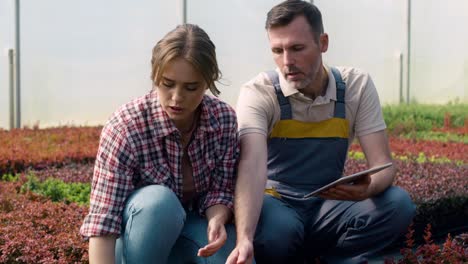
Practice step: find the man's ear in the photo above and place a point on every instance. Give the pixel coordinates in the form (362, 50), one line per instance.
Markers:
(323, 40)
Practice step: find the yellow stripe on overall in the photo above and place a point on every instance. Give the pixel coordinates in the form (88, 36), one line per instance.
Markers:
(330, 128)
(303, 156)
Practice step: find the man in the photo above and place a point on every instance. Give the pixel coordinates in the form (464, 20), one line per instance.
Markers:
(295, 126)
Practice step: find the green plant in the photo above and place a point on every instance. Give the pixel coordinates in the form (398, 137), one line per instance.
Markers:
(9, 177)
(403, 119)
(57, 190)
(357, 155)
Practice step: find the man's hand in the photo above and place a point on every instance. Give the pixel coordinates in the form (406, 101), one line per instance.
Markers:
(357, 191)
(250, 186)
(242, 253)
(217, 236)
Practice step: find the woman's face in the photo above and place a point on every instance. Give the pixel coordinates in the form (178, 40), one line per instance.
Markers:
(181, 91)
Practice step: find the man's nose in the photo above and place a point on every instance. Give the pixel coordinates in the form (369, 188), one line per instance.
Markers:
(288, 58)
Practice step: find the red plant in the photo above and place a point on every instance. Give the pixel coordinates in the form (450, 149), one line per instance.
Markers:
(39, 148)
(36, 230)
(407, 252)
(425, 182)
(451, 252)
(447, 120)
(73, 172)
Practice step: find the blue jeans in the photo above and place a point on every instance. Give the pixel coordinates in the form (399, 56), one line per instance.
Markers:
(339, 231)
(157, 229)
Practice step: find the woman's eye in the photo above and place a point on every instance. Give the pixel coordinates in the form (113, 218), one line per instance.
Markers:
(168, 84)
(192, 88)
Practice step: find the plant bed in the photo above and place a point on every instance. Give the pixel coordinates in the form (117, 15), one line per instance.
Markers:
(71, 172)
(431, 149)
(35, 230)
(439, 192)
(449, 250)
(433, 172)
(40, 148)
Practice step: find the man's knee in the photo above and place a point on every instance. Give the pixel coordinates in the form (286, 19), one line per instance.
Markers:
(279, 243)
(283, 234)
(400, 204)
(279, 236)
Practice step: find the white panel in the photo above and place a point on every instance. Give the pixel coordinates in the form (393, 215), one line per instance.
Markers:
(439, 68)
(82, 59)
(237, 29)
(367, 34)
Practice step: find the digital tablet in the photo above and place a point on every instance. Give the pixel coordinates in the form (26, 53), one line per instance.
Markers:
(349, 178)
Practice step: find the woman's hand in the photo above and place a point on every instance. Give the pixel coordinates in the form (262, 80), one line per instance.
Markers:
(218, 215)
(217, 236)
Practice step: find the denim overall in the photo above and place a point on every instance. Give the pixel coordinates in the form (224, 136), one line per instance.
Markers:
(304, 156)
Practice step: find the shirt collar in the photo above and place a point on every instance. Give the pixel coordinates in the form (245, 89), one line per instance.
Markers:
(164, 125)
(291, 91)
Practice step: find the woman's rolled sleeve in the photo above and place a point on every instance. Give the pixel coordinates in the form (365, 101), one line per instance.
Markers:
(223, 179)
(112, 183)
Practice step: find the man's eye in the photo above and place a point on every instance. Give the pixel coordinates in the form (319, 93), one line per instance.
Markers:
(298, 48)
(277, 51)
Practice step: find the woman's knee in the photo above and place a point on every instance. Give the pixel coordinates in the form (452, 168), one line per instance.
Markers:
(155, 202)
(194, 237)
(153, 210)
(153, 219)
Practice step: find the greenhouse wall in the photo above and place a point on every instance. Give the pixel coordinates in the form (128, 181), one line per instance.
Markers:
(80, 60)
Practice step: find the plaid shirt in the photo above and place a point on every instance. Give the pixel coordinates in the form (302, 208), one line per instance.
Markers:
(140, 146)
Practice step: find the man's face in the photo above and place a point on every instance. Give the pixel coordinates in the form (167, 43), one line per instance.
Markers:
(297, 53)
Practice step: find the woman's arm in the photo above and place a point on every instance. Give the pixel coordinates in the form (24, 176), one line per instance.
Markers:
(102, 249)
(225, 155)
(114, 164)
(219, 213)
(219, 201)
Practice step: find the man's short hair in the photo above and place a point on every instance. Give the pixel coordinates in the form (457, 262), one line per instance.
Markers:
(283, 13)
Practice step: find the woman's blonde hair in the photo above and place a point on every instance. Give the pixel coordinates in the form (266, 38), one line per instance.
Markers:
(191, 43)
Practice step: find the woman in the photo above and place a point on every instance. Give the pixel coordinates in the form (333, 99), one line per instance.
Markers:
(163, 182)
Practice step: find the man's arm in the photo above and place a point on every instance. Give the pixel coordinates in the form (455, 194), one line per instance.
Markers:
(377, 152)
(250, 186)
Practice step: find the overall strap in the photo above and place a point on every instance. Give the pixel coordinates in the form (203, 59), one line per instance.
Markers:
(285, 107)
(340, 110)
